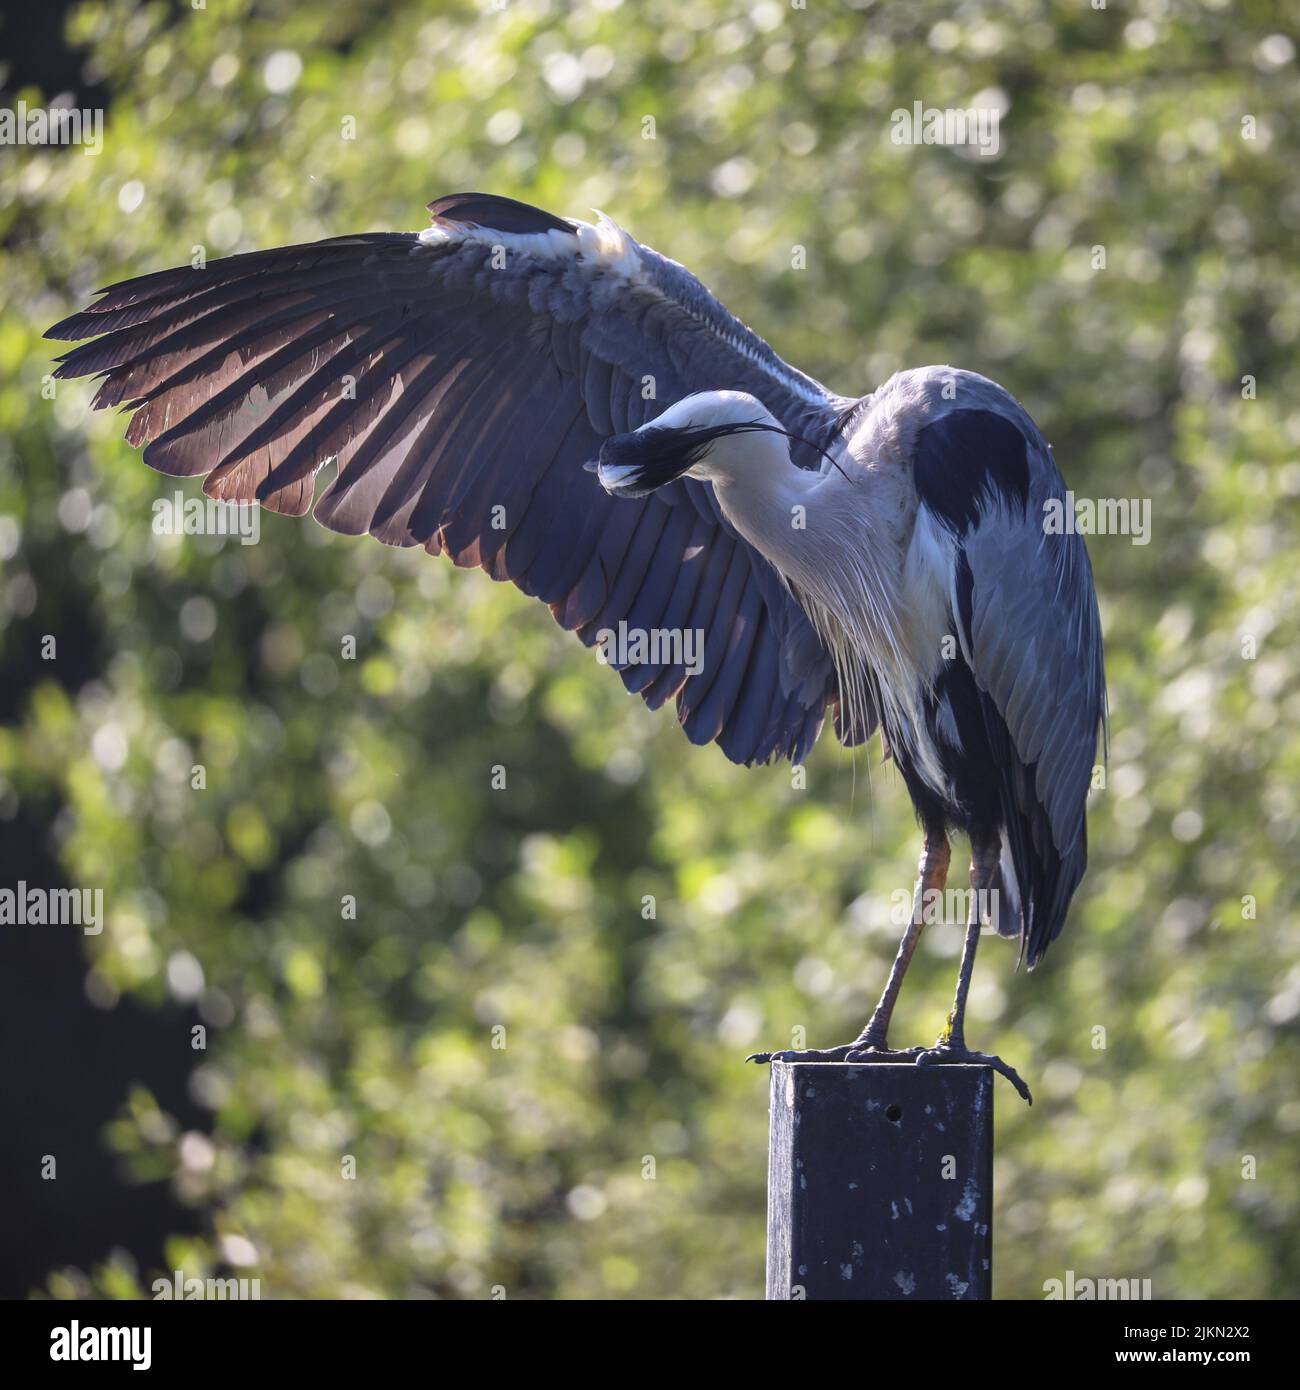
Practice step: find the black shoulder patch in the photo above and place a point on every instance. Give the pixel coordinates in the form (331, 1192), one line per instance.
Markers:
(491, 210)
(967, 460)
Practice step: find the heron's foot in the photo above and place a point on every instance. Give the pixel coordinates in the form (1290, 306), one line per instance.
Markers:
(857, 1051)
(945, 1050)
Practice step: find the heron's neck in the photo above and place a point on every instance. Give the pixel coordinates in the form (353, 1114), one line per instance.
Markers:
(839, 540)
(752, 473)
(797, 519)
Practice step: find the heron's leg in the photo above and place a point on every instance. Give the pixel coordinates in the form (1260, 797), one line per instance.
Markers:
(983, 872)
(931, 876)
(871, 1044)
(951, 1046)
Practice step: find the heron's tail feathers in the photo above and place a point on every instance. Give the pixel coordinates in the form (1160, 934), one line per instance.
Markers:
(1010, 912)
(1034, 899)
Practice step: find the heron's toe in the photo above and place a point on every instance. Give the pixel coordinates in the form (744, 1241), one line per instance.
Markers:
(946, 1052)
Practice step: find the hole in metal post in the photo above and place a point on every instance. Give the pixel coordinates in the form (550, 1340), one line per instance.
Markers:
(894, 1113)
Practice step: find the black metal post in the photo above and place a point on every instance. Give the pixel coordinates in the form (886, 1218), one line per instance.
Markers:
(880, 1181)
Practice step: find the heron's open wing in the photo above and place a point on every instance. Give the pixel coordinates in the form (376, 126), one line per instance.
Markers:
(1028, 626)
(461, 377)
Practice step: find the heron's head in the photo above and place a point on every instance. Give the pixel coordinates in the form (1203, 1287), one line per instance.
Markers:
(714, 434)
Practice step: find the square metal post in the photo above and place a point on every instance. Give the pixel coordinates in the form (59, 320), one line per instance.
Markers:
(880, 1181)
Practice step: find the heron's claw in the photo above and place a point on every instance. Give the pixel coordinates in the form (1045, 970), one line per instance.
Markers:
(830, 1054)
(850, 1052)
(944, 1051)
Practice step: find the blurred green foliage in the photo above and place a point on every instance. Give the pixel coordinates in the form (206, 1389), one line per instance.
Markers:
(1164, 134)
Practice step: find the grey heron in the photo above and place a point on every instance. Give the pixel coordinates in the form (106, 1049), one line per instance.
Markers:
(880, 558)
